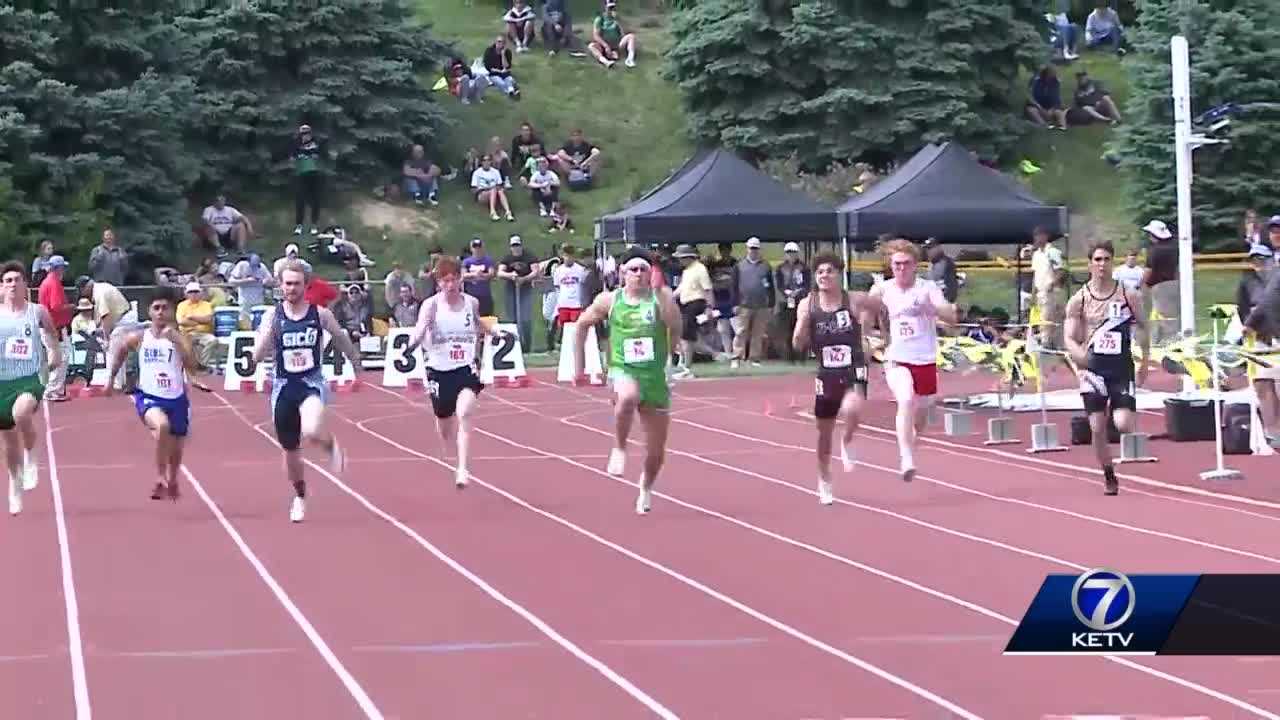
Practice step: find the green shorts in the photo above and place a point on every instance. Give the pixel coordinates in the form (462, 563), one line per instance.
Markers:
(654, 391)
(11, 390)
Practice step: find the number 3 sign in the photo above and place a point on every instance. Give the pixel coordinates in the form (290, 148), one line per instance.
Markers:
(401, 366)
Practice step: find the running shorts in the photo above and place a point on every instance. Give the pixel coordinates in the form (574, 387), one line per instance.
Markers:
(177, 410)
(830, 389)
(655, 393)
(11, 390)
(287, 397)
(444, 387)
(1100, 390)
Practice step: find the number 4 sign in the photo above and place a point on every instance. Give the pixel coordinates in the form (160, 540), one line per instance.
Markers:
(503, 363)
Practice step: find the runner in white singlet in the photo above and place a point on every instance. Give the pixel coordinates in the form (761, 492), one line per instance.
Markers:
(165, 363)
(914, 307)
(450, 324)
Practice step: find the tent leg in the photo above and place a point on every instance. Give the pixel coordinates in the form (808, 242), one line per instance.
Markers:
(844, 252)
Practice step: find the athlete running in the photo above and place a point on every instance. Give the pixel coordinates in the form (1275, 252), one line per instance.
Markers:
(830, 320)
(643, 324)
(914, 307)
(451, 323)
(294, 331)
(1102, 318)
(165, 364)
(27, 338)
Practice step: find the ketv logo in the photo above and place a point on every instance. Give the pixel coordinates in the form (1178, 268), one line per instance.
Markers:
(1103, 600)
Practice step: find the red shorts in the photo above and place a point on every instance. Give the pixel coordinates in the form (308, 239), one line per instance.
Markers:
(567, 315)
(924, 378)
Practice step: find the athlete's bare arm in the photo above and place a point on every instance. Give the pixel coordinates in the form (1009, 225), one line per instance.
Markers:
(858, 302)
(49, 334)
(116, 356)
(340, 338)
(189, 362)
(595, 313)
(426, 323)
(869, 315)
(947, 312)
(1073, 331)
(800, 338)
(1141, 330)
(262, 344)
(671, 317)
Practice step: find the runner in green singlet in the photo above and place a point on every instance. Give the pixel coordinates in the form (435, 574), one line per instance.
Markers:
(27, 340)
(642, 322)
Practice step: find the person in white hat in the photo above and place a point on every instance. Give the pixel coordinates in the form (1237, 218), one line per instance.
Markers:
(291, 252)
(793, 279)
(1251, 295)
(754, 291)
(1162, 280)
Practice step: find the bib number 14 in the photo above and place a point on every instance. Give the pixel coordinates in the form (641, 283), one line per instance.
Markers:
(637, 350)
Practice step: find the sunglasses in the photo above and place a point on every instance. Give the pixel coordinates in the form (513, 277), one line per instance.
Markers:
(1102, 258)
(636, 267)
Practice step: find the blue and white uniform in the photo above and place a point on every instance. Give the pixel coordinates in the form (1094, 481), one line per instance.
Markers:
(298, 373)
(162, 382)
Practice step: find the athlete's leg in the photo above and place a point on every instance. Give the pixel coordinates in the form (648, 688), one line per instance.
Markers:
(24, 414)
(1099, 430)
(157, 421)
(826, 428)
(656, 422)
(625, 403)
(175, 462)
(13, 460)
(448, 428)
(902, 385)
(1268, 405)
(311, 415)
(466, 403)
(851, 414)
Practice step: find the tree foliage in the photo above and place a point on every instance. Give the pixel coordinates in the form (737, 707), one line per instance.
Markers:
(836, 80)
(121, 115)
(1233, 59)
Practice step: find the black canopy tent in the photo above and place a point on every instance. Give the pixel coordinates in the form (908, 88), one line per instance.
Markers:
(944, 192)
(718, 197)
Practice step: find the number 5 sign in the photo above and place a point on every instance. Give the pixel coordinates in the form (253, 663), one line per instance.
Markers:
(401, 366)
(503, 361)
(240, 367)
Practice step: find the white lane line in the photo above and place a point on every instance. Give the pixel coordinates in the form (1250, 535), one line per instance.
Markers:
(79, 679)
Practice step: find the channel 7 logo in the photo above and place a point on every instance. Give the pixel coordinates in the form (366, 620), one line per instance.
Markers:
(1103, 600)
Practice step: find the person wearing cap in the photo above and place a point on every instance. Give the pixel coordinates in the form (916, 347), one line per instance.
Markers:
(29, 347)
(1251, 294)
(306, 154)
(695, 294)
(643, 322)
(793, 279)
(251, 278)
(754, 289)
(111, 309)
(226, 226)
(477, 276)
(53, 298)
(942, 269)
(722, 268)
(1272, 239)
(517, 269)
(608, 39)
(194, 316)
(1162, 280)
(291, 252)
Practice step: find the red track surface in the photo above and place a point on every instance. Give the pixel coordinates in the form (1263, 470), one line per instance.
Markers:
(538, 593)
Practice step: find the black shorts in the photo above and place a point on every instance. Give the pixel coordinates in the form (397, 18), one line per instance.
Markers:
(224, 239)
(690, 314)
(444, 387)
(286, 407)
(1101, 390)
(486, 305)
(829, 391)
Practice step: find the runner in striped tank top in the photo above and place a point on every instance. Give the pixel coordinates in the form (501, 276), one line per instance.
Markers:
(914, 308)
(28, 345)
(643, 323)
(830, 322)
(165, 363)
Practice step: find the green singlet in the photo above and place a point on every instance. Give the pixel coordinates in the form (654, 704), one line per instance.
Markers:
(639, 347)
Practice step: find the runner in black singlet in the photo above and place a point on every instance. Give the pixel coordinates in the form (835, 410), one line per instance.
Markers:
(829, 322)
(1102, 318)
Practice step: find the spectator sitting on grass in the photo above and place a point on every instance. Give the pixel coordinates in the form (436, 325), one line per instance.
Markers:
(421, 176)
(1045, 106)
(291, 252)
(608, 38)
(497, 64)
(463, 84)
(578, 160)
(531, 165)
(226, 227)
(557, 29)
(544, 187)
(486, 184)
(522, 146)
(404, 313)
(519, 20)
(501, 160)
(1103, 28)
(558, 219)
(1091, 98)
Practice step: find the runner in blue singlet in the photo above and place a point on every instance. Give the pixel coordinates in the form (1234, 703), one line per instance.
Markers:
(293, 331)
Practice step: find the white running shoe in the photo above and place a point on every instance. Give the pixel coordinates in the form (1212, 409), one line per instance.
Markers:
(617, 462)
(30, 474)
(645, 499)
(847, 456)
(337, 459)
(298, 510)
(460, 477)
(826, 493)
(15, 495)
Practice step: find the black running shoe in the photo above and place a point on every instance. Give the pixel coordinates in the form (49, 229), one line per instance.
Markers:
(1112, 486)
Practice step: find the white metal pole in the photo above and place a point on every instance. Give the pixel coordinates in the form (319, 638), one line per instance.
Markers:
(1182, 149)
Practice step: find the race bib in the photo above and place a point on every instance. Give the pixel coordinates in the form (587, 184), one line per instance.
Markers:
(906, 328)
(837, 356)
(164, 381)
(860, 373)
(18, 348)
(638, 350)
(1107, 343)
(299, 360)
(457, 352)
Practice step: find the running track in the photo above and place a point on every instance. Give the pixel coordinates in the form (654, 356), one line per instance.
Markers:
(538, 593)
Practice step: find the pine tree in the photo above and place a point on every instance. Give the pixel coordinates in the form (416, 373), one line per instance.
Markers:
(1233, 60)
(834, 80)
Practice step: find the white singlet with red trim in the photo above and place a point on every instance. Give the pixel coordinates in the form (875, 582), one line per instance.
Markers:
(457, 332)
(913, 335)
(160, 370)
